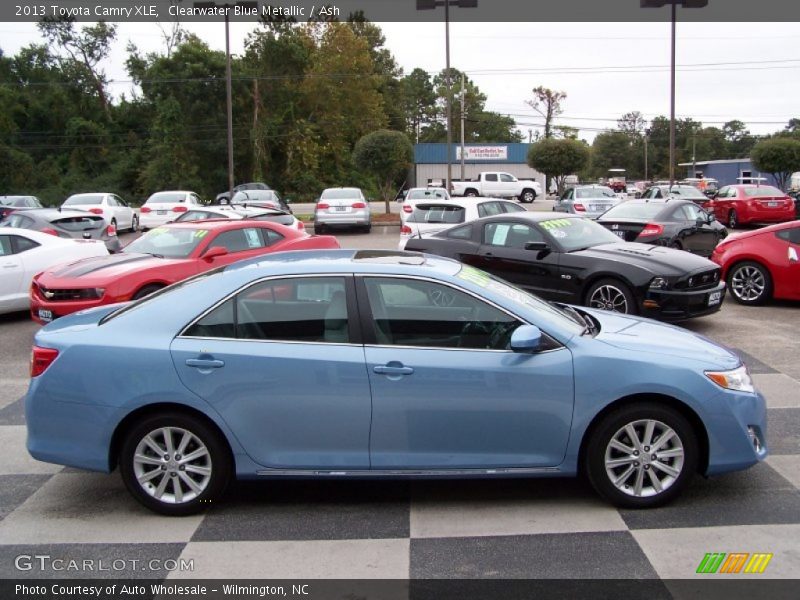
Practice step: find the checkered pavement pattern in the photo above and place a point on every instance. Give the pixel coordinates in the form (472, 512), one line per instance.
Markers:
(545, 528)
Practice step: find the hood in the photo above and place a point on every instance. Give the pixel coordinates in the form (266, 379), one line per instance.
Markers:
(657, 259)
(96, 271)
(641, 335)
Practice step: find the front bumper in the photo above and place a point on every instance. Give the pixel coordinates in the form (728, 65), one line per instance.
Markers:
(58, 308)
(679, 305)
(732, 433)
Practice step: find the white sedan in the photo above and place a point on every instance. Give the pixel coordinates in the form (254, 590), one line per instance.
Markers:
(414, 195)
(432, 216)
(162, 207)
(24, 253)
(240, 212)
(114, 209)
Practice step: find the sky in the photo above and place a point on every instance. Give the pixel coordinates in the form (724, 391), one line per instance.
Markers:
(745, 71)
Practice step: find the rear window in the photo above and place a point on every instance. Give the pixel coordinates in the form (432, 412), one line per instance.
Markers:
(684, 191)
(633, 210)
(595, 193)
(83, 200)
(426, 194)
(341, 194)
(80, 223)
(761, 191)
(437, 213)
(166, 197)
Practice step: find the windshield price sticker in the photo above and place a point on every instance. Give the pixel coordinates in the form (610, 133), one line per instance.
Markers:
(201, 233)
(556, 223)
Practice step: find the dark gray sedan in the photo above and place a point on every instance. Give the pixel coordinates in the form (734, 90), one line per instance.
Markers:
(75, 224)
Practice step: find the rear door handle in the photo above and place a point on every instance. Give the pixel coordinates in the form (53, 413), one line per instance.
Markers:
(204, 363)
(387, 370)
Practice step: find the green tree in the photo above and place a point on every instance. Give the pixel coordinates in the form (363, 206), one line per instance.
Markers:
(558, 158)
(387, 156)
(738, 138)
(778, 156)
(547, 103)
(418, 100)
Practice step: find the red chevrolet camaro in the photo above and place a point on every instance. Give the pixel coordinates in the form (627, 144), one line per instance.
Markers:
(762, 264)
(740, 204)
(163, 256)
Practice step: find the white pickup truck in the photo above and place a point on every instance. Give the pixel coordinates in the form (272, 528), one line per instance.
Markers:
(498, 185)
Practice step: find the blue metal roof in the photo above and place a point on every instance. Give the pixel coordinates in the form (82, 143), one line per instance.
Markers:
(437, 153)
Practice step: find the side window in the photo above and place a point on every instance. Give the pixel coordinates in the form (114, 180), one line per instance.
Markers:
(510, 207)
(5, 245)
(789, 235)
(511, 235)
(490, 177)
(505, 177)
(461, 233)
(723, 193)
(238, 240)
(489, 209)
(22, 244)
(18, 220)
(308, 309)
(409, 312)
(657, 193)
(270, 236)
(120, 201)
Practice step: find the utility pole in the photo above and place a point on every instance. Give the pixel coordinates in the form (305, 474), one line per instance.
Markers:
(694, 148)
(463, 94)
(646, 143)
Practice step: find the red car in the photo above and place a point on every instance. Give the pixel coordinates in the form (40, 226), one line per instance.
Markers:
(163, 256)
(739, 204)
(762, 264)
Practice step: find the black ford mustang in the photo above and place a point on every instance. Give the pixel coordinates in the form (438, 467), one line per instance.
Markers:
(567, 258)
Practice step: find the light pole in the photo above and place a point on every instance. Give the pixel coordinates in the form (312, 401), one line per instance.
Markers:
(430, 5)
(646, 143)
(228, 77)
(674, 7)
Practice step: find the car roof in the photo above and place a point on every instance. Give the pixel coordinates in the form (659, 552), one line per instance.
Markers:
(172, 192)
(535, 217)
(46, 213)
(212, 224)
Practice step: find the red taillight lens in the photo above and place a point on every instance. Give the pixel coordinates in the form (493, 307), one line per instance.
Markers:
(50, 231)
(405, 230)
(407, 208)
(651, 229)
(301, 226)
(96, 211)
(359, 205)
(41, 358)
(323, 206)
(579, 207)
(145, 210)
(111, 230)
(180, 209)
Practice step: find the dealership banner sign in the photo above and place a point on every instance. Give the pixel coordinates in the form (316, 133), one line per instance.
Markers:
(483, 153)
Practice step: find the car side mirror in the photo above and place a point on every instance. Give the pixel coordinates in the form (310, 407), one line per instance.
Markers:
(526, 339)
(711, 217)
(536, 246)
(214, 252)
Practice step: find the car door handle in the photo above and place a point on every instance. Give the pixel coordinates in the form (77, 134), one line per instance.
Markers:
(392, 370)
(9, 266)
(201, 363)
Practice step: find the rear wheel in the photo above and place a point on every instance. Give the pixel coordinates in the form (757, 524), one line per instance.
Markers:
(471, 194)
(733, 219)
(134, 224)
(319, 228)
(367, 228)
(527, 196)
(146, 291)
(612, 295)
(750, 283)
(175, 464)
(641, 455)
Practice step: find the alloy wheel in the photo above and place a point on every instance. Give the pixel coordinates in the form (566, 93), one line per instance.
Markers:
(609, 297)
(748, 283)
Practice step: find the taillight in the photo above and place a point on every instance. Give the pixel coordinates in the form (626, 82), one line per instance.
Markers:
(96, 211)
(651, 229)
(323, 206)
(180, 209)
(405, 230)
(111, 230)
(579, 207)
(50, 231)
(41, 358)
(301, 226)
(359, 205)
(407, 208)
(145, 209)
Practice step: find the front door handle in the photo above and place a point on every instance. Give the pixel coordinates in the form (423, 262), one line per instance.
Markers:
(204, 363)
(393, 370)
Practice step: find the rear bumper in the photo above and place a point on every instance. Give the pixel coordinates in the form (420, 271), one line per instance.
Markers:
(679, 305)
(150, 220)
(344, 219)
(766, 215)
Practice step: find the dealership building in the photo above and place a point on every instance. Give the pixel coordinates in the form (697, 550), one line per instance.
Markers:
(732, 171)
(430, 162)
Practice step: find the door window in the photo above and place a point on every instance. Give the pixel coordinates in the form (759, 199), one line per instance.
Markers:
(250, 238)
(410, 312)
(5, 245)
(510, 207)
(490, 177)
(489, 209)
(505, 177)
(511, 235)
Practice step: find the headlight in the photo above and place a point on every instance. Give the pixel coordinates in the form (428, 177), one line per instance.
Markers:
(658, 283)
(738, 379)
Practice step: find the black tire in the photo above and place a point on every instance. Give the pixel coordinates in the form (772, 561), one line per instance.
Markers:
(471, 194)
(614, 294)
(750, 283)
(527, 196)
(134, 224)
(367, 228)
(733, 219)
(114, 225)
(146, 291)
(217, 458)
(640, 461)
(319, 228)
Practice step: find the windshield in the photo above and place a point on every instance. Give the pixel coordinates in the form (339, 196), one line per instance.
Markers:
(577, 234)
(267, 195)
(437, 213)
(762, 191)
(166, 197)
(602, 192)
(684, 191)
(167, 242)
(423, 194)
(341, 194)
(83, 200)
(518, 297)
(633, 210)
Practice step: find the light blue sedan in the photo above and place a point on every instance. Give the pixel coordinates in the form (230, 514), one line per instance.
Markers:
(374, 364)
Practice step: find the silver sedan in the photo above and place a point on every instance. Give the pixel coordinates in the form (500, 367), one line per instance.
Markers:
(342, 207)
(587, 200)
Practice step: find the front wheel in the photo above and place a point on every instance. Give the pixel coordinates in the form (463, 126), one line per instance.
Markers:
(612, 295)
(750, 283)
(175, 464)
(471, 194)
(733, 219)
(641, 455)
(134, 224)
(146, 291)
